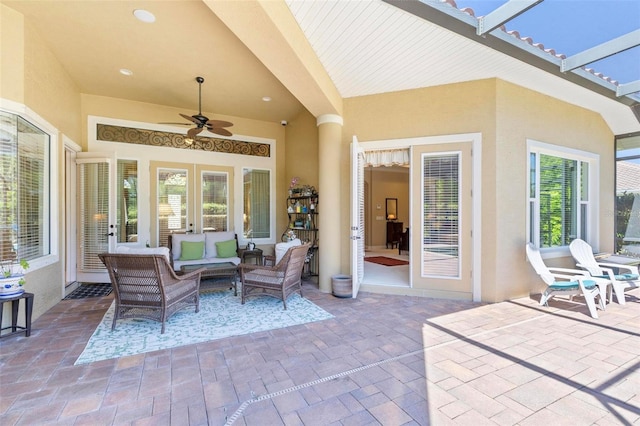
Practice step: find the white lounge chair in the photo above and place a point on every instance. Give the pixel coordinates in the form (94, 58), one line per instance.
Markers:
(575, 282)
(583, 255)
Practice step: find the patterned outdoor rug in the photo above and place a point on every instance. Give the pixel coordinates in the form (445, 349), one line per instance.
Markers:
(221, 315)
(90, 290)
(386, 261)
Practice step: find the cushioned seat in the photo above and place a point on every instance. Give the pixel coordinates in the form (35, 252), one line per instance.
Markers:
(280, 280)
(576, 282)
(572, 285)
(145, 286)
(583, 255)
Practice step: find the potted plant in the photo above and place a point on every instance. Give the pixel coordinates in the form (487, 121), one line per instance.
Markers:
(12, 277)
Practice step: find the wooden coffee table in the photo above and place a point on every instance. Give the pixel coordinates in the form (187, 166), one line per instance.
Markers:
(214, 275)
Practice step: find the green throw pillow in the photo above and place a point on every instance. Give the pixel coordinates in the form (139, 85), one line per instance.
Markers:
(191, 250)
(226, 248)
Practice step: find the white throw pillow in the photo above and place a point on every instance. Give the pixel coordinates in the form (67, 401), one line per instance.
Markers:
(144, 250)
(281, 248)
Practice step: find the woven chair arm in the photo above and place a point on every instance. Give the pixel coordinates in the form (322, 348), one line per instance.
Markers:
(191, 274)
(246, 267)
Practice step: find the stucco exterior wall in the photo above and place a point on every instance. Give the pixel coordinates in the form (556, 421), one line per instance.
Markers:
(506, 115)
(444, 110)
(31, 75)
(522, 114)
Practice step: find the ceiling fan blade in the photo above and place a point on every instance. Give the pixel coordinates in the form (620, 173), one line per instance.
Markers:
(219, 123)
(193, 120)
(192, 133)
(219, 131)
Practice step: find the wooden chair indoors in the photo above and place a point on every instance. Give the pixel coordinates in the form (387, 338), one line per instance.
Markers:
(279, 280)
(145, 286)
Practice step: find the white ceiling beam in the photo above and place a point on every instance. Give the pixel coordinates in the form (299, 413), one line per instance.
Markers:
(503, 14)
(627, 88)
(601, 51)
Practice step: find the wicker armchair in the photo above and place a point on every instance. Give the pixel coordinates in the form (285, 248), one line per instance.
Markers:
(277, 281)
(145, 286)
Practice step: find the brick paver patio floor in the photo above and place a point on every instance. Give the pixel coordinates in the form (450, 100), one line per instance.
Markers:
(389, 360)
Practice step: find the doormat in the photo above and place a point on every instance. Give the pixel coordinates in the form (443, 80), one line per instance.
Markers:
(386, 261)
(90, 290)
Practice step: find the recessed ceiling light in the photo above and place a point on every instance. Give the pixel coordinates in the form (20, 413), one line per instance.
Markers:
(266, 98)
(125, 71)
(144, 15)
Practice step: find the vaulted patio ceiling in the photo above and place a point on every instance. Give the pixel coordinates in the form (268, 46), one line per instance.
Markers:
(352, 48)
(392, 45)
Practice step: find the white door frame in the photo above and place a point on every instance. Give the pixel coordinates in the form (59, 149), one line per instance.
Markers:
(476, 145)
(70, 208)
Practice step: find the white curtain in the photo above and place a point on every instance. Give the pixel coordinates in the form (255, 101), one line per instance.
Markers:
(386, 157)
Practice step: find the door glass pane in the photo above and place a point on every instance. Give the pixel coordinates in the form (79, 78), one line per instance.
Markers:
(93, 181)
(172, 203)
(215, 201)
(127, 206)
(440, 201)
(257, 209)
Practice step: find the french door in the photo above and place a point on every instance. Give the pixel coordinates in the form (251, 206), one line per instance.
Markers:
(97, 232)
(189, 198)
(357, 216)
(441, 249)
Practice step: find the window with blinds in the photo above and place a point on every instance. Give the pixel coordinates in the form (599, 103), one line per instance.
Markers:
(215, 201)
(559, 202)
(441, 221)
(24, 189)
(257, 204)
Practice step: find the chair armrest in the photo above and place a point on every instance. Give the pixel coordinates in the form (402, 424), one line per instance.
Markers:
(246, 267)
(570, 271)
(269, 259)
(191, 274)
(569, 277)
(632, 269)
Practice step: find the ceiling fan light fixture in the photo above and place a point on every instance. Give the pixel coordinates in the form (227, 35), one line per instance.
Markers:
(144, 16)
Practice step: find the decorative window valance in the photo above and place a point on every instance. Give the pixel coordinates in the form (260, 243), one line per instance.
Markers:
(111, 133)
(386, 157)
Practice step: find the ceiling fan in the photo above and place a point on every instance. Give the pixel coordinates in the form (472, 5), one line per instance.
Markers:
(202, 122)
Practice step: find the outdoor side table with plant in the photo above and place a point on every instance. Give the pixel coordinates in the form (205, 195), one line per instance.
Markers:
(12, 277)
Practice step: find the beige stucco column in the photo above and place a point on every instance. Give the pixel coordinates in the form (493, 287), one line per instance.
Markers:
(329, 135)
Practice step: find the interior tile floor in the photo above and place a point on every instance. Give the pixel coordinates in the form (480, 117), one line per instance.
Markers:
(375, 274)
(388, 360)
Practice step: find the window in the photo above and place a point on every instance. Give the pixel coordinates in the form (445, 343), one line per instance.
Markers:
(24, 189)
(257, 204)
(560, 205)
